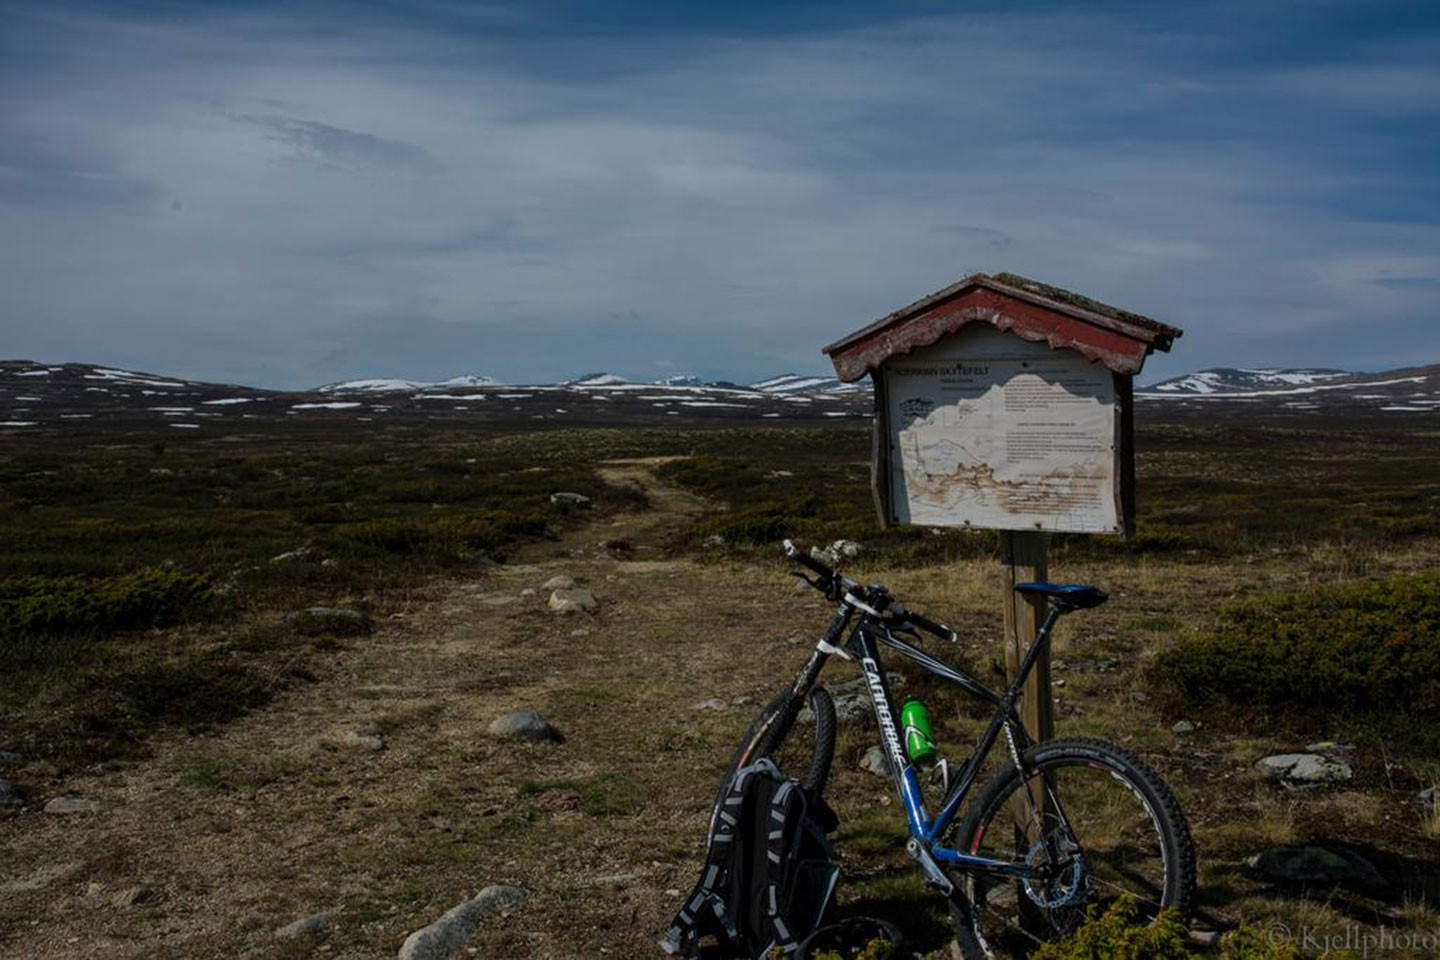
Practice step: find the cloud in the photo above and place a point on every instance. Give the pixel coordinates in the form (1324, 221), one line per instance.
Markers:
(414, 193)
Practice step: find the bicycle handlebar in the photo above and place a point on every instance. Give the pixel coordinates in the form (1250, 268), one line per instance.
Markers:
(833, 585)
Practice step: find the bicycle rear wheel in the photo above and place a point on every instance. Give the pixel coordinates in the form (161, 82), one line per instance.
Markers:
(1108, 827)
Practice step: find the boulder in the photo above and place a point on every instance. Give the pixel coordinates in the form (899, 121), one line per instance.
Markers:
(334, 621)
(447, 936)
(578, 600)
(1183, 727)
(523, 725)
(567, 496)
(1304, 769)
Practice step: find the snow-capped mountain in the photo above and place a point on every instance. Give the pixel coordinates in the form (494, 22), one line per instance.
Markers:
(794, 383)
(597, 380)
(1241, 380)
(392, 385)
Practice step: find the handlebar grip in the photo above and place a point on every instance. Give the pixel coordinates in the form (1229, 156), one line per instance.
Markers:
(929, 626)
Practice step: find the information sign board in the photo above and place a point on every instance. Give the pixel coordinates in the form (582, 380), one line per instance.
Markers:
(987, 430)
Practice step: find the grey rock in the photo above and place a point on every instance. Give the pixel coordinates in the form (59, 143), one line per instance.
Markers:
(335, 621)
(714, 542)
(1304, 769)
(1183, 727)
(448, 935)
(710, 705)
(131, 897)
(874, 761)
(292, 556)
(567, 496)
(1428, 795)
(67, 805)
(837, 551)
(1319, 866)
(562, 581)
(11, 796)
(330, 563)
(316, 925)
(578, 600)
(359, 740)
(523, 725)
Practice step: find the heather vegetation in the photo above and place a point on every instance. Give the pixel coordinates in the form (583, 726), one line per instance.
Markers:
(1280, 592)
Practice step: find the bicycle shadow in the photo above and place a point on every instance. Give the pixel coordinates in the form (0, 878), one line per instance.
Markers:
(1362, 882)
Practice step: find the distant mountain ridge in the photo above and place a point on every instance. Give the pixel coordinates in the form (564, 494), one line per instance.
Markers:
(392, 385)
(1239, 379)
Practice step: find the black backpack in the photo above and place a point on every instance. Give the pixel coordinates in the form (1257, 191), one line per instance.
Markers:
(769, 880)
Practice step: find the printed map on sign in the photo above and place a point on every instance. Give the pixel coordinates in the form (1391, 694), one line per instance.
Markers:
(1010, 442)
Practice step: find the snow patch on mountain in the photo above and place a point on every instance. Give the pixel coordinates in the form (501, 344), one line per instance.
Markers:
(1245, 380)
(598, 380)
(393, 385)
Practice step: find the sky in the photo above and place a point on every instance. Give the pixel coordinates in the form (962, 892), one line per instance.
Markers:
(287, 194)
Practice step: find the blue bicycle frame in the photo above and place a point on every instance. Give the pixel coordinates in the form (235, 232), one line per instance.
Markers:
(925, 832)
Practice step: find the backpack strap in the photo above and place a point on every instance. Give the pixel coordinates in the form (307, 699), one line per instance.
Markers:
(782, 842)
(708, 899)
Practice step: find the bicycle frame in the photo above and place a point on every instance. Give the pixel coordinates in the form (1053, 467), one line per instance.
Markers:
(863, 646)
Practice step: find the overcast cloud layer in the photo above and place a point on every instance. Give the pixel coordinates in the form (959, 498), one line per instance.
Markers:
(534, 191)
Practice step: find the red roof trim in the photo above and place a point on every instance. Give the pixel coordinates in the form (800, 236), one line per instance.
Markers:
(1120, 342)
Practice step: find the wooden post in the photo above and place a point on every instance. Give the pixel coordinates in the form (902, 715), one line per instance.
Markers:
(1024, 554)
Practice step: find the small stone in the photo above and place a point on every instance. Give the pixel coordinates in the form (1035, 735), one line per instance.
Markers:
(561, 581)
(359, 740)
(1139, 696)
(570, 497)
(578, 600)
(582, 632)
(291, 556)
(335, 621)
(448, 935)
(875, 762)
(1058, 683)
(1183, 727)
(523, 725)
(1427, 795)
(1304, 769)
(11, 796)
(329, 563)
(68, 805)
(313, 926)
(710, 705)
(130, 897)
(1337, 751)
(715, 542)
(528, 592)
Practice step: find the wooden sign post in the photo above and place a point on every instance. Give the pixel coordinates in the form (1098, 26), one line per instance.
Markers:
(1005, 404)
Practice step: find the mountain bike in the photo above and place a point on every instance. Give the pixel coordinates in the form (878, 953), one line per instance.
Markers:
(1062, 826)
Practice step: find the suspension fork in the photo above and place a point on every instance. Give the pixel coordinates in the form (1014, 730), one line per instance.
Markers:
(824, 648)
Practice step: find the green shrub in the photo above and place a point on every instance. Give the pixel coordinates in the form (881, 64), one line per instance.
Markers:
(1343, 649)
(51, 606)
(1117, 934)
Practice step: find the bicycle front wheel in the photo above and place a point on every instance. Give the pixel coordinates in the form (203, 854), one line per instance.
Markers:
(796, 752)
(1094, 824)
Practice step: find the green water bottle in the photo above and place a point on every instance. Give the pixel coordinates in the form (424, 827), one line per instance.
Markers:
(919, 737)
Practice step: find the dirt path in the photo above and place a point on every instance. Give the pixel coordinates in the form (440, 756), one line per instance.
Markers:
(292, 810)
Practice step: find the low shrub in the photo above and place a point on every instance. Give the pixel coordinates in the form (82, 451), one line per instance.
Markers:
(1343, 649)
(50, 606)
(1117, 934)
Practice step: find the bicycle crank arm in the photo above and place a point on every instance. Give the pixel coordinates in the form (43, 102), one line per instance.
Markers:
(934, 876)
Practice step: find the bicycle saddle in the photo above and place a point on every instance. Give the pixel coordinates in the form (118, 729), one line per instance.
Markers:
(1075, 595)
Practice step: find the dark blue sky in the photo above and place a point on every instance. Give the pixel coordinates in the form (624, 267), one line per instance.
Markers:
(289, 194)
